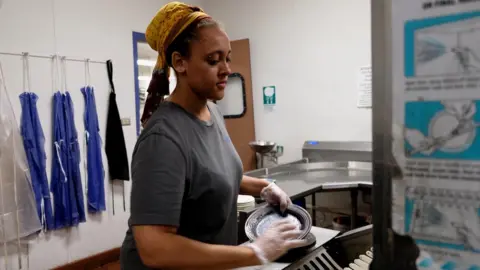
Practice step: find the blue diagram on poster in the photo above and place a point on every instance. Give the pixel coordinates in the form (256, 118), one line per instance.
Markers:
(446, 45)
(443, 218)
(442, 129)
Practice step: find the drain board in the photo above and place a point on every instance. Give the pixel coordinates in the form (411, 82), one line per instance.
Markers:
(333, 255)
(317, 260)
(337, 253)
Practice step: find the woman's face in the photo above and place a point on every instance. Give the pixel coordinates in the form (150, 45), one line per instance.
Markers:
(206, 70)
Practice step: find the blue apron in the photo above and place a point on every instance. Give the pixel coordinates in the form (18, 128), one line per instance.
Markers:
(95, 170)
(34, 144)
(77, 207)
(59, 181)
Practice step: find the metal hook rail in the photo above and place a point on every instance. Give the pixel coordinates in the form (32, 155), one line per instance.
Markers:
(53, 55)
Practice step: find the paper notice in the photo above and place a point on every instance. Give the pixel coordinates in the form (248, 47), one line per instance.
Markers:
(365, 87)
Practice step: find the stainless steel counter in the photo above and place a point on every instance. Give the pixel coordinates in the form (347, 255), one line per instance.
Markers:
(301, 178)
(322, 235)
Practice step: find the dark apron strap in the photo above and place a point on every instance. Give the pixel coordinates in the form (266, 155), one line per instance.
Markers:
(110, 75)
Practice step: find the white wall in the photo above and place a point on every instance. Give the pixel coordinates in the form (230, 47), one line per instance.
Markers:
(98, 30)
(311, 51)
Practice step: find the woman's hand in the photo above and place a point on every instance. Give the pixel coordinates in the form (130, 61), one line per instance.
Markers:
(274, 195)
(276, 241)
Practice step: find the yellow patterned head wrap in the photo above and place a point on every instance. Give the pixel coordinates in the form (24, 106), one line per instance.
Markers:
(169, 22)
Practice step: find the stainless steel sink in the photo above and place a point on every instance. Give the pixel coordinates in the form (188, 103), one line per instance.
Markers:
(262, 147)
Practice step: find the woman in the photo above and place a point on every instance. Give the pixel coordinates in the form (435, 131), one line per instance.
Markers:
(186, 174)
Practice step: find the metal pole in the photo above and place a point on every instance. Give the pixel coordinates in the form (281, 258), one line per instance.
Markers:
(382, 133)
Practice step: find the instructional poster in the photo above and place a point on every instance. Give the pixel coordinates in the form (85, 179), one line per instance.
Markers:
(436, 105)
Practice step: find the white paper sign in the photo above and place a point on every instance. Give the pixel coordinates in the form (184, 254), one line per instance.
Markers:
(436, 115)
(365, 87)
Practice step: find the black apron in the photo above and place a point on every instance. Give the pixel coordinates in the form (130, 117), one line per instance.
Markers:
(114, 140)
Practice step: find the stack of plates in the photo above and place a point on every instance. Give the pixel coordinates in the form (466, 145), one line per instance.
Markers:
(244, 202)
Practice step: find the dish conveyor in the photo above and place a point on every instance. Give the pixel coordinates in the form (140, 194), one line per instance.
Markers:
(336, 254)
(352, 250)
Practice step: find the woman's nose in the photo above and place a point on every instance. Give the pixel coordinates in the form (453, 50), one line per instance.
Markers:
(226, 70)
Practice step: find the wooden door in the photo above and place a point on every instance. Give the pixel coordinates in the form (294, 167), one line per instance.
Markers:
(240, 124)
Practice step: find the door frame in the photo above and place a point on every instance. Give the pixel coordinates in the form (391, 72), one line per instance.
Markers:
(247, 132)
(136, 38)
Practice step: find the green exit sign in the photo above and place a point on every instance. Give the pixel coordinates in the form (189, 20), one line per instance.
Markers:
(269, 95)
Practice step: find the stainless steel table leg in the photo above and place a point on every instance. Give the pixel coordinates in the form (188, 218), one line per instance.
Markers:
(354, 202)
(314, 204)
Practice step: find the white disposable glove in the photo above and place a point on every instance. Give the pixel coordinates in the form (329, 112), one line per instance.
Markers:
(274, 195)
(276, 241)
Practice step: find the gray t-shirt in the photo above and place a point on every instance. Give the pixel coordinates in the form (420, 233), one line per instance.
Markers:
(185, 173)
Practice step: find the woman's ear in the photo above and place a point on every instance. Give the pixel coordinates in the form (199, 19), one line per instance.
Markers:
(178, 62)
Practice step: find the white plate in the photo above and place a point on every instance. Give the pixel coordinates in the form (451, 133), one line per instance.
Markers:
(245, 199)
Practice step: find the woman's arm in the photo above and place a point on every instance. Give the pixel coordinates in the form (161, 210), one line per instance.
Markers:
(161, 247)
(252, 186)
(269, 191)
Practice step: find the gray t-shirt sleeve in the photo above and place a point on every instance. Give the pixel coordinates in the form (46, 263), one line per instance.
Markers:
(158, 181)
